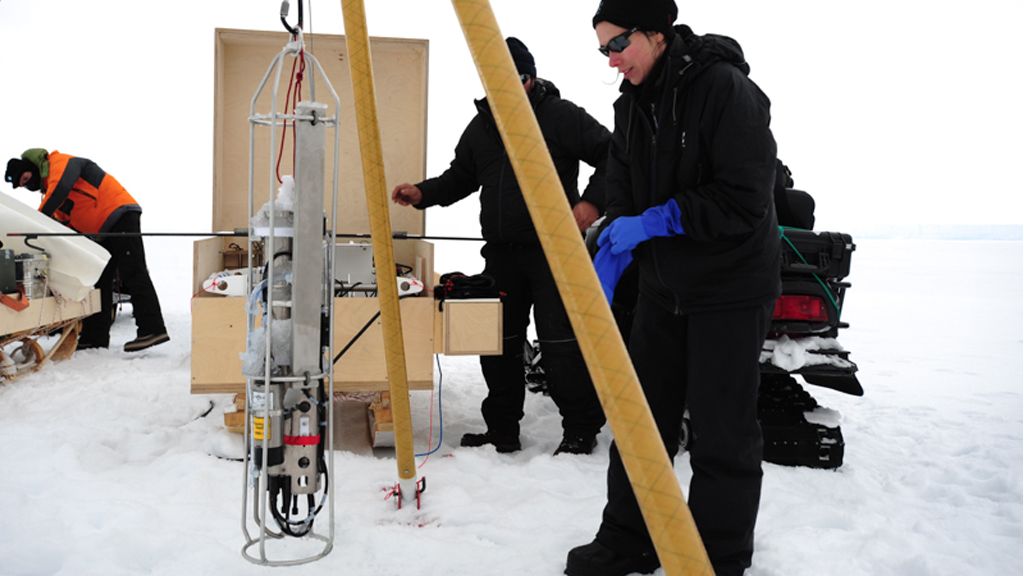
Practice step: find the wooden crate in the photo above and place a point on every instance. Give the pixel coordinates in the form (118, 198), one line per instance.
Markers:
(219, 330)
(218, 338)
(219, 323)
(468, 328)
(400, 78)
(46, 311)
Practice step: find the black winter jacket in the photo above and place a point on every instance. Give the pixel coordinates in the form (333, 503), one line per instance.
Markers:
(699, 134)
(481, 163)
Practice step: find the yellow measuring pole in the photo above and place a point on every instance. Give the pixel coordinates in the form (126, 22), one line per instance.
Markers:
(358, 42)
(650, 472)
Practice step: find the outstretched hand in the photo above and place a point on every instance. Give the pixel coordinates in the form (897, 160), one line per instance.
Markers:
(585, 214)
(406, 194)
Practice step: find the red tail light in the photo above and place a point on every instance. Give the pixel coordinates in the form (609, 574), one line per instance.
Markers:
(800, 307)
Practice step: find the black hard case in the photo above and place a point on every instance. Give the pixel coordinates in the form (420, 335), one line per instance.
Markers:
(826, 254)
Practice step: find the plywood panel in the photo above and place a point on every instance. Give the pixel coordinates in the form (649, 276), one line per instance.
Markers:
(363, 367)
(218, 337)
(400, 74)
(45, 311)
(206, 260)
(418, 255)
(472, 327)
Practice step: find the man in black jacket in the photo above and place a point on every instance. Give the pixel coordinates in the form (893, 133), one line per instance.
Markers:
(690, 180)
(515, 259)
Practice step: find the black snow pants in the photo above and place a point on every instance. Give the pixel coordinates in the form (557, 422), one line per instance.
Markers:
(522, 273)
(128, 259)
(706, 362)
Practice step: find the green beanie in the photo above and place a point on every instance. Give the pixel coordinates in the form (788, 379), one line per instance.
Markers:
(38, 156)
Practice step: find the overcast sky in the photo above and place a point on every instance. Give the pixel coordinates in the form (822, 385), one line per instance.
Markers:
(888, 112)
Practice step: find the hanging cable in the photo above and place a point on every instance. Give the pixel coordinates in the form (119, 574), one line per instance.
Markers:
(400, 235)
(284, 128)
(298, 528)
(294, 79)
(440, 415)
(296, 97)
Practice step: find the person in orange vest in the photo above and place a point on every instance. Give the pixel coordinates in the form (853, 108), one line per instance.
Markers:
(79, 194)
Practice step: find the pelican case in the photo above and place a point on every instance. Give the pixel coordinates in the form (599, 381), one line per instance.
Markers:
(826, 254)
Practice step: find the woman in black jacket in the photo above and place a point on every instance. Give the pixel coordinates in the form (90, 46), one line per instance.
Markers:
(690, 178)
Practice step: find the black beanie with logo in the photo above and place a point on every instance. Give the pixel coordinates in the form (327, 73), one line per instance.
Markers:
(645, 15)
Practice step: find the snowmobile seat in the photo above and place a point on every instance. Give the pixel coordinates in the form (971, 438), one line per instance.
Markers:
(794, 208)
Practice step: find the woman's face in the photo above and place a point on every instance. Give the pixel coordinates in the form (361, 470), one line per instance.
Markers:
(636, 60)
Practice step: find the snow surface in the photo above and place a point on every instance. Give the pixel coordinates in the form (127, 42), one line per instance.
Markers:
(107, 470)
(108, 467)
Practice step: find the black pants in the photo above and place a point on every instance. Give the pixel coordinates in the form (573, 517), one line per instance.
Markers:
(128, 259)
(707, 362)
(523, 274)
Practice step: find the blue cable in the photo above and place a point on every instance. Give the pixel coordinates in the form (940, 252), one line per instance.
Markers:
(440, 411)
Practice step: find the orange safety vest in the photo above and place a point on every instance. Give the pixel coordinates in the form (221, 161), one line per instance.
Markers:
(79, 194)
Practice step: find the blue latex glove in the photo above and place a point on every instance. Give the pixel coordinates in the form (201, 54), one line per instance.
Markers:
(625, 232)
(609, 267)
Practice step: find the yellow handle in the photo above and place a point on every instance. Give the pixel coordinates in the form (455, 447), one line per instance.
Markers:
(358, 42)
(650, 472)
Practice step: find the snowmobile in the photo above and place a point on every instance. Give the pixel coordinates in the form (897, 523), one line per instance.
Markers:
(802, 337)
(801, 340)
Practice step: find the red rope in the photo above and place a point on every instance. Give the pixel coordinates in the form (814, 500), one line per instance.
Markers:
(298, 96)
(284, 130)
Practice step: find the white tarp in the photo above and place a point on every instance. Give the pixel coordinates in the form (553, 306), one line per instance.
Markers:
(75, 261)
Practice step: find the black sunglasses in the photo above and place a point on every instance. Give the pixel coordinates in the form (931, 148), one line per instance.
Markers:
(617, 44)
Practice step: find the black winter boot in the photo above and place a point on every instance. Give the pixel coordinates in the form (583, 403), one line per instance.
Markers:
(147, 341)
(503, 444)
(595, 559)
(576, 444)
(90, 344)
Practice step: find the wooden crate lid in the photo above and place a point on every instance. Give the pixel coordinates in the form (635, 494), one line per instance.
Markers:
(400, 78)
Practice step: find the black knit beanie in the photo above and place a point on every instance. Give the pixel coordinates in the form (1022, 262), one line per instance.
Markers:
(16, 167)
(646, 15)
(521, 56)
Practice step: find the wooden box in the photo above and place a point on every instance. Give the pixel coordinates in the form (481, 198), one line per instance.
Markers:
(468, 328)
(218, 322)
(219, 329)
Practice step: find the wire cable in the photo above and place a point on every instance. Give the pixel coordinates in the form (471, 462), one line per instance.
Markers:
(440, 415)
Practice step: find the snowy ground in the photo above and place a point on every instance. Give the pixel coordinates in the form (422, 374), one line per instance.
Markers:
(107, 469)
